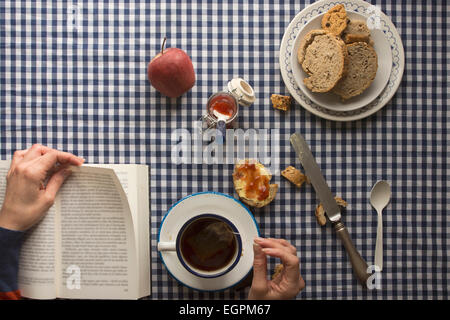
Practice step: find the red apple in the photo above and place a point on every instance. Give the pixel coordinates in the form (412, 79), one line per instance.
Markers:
(171, 72)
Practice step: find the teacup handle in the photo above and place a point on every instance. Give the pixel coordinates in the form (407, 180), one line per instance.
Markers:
(167, 246)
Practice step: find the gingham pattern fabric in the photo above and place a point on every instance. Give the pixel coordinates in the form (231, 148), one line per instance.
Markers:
(73, 77)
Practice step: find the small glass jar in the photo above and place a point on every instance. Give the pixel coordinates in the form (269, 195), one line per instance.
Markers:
(238, 93)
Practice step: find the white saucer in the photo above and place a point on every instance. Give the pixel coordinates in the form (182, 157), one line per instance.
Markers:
(386, 27)
(215, 203)
(330, 100)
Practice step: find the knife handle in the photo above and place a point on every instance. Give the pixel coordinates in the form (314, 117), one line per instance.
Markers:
(358, 263)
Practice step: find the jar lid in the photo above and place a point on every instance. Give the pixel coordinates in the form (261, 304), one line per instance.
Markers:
(242, 91)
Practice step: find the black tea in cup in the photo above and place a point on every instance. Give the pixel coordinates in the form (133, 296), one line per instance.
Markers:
(208, 244)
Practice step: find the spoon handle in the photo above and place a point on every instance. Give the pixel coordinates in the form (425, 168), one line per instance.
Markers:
(379, 243)
(221, 127)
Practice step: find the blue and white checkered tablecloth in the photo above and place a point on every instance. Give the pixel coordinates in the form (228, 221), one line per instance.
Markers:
(73, 77)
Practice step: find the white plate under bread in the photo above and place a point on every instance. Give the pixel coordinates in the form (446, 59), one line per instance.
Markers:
(330, 100)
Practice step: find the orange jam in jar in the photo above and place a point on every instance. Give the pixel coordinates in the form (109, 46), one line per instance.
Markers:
(223, 103)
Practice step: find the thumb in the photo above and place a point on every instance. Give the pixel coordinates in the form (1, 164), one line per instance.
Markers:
(259, 268)
(56, 181)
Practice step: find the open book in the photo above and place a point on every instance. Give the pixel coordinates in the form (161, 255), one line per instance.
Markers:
(94, 241)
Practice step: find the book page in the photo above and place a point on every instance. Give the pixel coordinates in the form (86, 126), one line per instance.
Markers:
(37, 258)
(134, 180)
(127, 176)
(144, 230)
(97, 242)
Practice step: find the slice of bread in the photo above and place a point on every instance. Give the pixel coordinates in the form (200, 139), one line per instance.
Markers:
(251, 182)
(322, 56)
(350, 38)
(306, 41)
(335, 20)
(356, 31)
(273, 189)
(361, 69)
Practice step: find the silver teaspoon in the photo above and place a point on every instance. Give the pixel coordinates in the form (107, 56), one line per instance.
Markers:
(379, 198)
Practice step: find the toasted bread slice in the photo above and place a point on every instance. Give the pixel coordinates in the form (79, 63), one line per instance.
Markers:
(351, 38)
(273, 189)
(361, 69)
(306, 41)
(322, 56)
(335, 20)
(356, 31)
(251, 182)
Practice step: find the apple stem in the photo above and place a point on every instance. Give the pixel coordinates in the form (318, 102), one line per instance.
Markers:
(162, 47)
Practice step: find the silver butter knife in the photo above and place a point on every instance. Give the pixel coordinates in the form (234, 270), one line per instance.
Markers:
(330, 206)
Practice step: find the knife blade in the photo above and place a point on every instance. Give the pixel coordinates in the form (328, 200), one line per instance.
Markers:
(330, 206)
(314, 174)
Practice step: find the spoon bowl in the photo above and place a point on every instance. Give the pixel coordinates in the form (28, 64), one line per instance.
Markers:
(380, 195)
(379, 199)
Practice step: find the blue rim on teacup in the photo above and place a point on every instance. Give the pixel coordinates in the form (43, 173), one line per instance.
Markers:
(221, 271)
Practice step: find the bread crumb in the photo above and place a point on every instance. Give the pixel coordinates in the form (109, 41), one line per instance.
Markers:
(278, 269)
(281, 102)
(341, 202)
(320, 215)
(294, 175)
(320, 212)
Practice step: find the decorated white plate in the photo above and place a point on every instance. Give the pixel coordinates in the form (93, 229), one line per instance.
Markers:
(390, 59)
(209, 203)
(330, 100)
